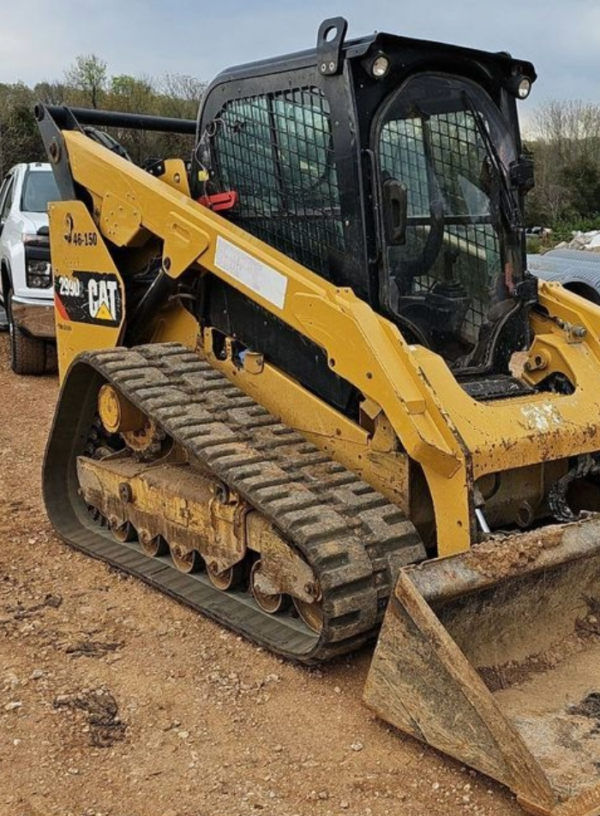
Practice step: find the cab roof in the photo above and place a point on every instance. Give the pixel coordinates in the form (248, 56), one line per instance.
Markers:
(358, 48)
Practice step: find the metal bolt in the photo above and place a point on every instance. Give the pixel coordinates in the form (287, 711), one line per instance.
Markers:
(125, 492)
(167, 263)
(54, 151)
(310, 589)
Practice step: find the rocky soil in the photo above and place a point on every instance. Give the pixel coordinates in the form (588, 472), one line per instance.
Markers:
(116, 701)
(589, 241)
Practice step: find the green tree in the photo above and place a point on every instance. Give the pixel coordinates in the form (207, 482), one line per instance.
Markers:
(567, 162)
(88, 75)
(52, 93)
(132, 95)
(87, 83)
(582, 178)
(19, 136)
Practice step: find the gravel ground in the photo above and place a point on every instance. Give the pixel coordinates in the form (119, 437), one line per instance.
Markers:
(116, 701)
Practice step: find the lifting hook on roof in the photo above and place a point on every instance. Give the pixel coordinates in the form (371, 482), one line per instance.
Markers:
(330, 40)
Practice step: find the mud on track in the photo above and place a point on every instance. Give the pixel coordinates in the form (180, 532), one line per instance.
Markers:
(115, 701)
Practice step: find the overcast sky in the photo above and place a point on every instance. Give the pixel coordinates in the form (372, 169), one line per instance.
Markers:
(39, 38)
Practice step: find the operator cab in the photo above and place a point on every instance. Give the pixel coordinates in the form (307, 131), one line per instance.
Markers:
(392, 166)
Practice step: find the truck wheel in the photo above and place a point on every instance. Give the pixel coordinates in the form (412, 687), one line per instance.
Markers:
(51, 358)
(27, 354)
(3, 320)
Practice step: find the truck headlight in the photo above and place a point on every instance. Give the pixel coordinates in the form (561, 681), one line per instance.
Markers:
(39, 275)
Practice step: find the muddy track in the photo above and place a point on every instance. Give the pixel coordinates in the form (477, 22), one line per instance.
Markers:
(353, 538)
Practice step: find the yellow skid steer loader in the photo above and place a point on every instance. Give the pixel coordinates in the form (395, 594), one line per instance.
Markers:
(306, 379)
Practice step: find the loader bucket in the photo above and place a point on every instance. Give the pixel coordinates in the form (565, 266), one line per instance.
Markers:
(493, 657)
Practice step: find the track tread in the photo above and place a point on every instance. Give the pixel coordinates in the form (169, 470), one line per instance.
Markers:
(348, 533)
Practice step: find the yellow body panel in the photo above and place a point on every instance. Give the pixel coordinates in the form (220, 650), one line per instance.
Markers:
(70, 223)
(453, 438)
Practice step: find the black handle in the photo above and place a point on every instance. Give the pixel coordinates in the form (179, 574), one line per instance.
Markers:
(395, 203)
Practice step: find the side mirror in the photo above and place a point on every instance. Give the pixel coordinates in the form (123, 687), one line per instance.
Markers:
(395, 206)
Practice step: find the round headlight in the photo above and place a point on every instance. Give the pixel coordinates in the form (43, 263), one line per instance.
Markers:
(523, 88)
(519, 85)
(380, 66)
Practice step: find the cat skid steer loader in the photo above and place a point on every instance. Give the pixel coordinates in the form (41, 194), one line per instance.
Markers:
(309, 387)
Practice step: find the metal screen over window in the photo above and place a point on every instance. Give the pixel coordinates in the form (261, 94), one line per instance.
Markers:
(276, 152)
(443, 147)
(443, 156)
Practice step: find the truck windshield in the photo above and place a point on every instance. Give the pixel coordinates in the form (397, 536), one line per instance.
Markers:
(443, 144)
(39, 188)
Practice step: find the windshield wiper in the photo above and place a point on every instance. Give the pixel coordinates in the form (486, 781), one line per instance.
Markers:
(509, 207)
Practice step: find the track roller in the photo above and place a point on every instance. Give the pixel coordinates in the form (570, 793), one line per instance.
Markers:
(272, 604)
(153, 546)
(226, 579)
(187, 561)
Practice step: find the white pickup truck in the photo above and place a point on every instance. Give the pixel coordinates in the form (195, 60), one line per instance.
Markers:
(26, 294)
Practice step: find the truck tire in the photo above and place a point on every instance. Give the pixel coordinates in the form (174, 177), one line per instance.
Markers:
(27, 354)
(3, 320)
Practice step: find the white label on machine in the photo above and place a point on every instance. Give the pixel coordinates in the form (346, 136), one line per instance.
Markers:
(257, 276)
(542, 418)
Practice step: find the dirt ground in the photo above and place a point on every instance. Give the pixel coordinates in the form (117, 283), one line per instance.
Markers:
(117, 701)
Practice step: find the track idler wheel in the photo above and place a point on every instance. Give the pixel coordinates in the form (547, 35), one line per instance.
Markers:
(117, 413)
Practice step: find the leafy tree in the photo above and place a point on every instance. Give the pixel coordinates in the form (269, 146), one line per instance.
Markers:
(88, 75)
(19, 136)
(582, 177)
(567, 160)
(52, 93)
(87, 83)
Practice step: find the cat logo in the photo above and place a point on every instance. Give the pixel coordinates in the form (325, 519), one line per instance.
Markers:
(89, 297)
(102, 299)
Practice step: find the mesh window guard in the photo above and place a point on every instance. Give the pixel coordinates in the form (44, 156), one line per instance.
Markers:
(442, 156)
(276, 151)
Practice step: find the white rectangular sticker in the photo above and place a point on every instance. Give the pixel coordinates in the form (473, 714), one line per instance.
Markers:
(257, 276)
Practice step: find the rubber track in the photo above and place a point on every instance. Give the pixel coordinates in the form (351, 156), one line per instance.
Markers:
(353, 537)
